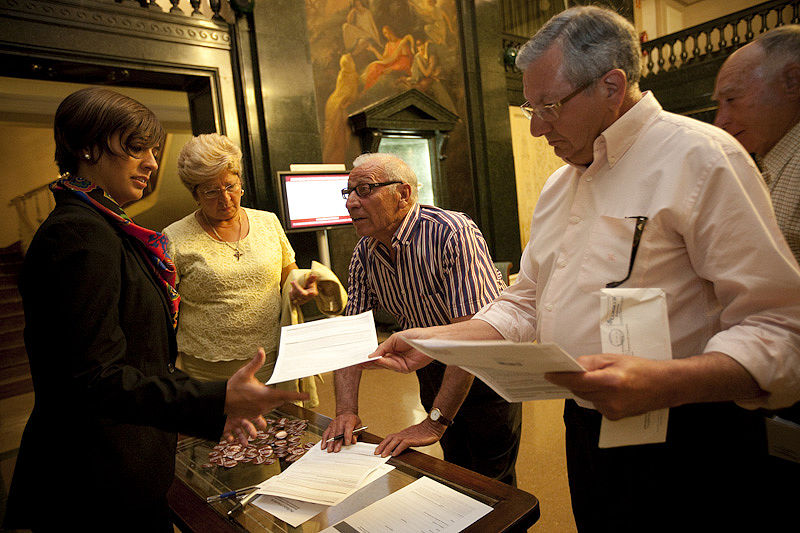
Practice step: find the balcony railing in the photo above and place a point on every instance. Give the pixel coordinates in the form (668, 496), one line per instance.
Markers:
(215, 10)
(696, 44)
(719, 36)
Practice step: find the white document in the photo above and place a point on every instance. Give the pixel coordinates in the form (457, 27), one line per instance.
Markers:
(295, 512)
(635, 322)
(325, 478)
(324, 345)
(513, 370)
(424, 506)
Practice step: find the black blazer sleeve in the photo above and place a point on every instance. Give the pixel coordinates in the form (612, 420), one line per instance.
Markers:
(98, 331)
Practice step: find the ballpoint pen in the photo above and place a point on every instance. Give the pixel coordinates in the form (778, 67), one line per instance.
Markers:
(241, 503)
(231, 494)
(341, 436)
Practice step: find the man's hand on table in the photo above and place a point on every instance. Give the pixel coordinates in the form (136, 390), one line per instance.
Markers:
(423, 434)
(343, 424)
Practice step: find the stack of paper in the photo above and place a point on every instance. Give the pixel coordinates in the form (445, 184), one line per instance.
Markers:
(325, 478)
(295, 512)
(424, 506)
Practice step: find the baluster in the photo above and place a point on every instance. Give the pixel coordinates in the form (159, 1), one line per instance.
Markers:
(672, 57)
(153, 4)
(684, 53)
(723, 44)
(796, 13)
(748, 34)
(696, 49)
(216, 5)
(735, 37)
(175, 10)
(709, 46)
(779, 14)
(764, 24)
(660, 61)
(650, 63)
(195, 8)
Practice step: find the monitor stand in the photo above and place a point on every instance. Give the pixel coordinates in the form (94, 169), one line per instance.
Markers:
(322, 247)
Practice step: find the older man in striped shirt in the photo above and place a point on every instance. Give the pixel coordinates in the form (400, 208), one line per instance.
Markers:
(427, 267)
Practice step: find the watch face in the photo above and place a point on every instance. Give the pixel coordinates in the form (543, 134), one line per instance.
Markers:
(435, 414)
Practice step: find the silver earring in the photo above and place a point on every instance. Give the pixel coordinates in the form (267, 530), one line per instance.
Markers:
(87, 156)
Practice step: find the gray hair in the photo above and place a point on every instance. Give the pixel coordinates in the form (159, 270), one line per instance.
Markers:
(206, 157)
(781, 46)
(593, 40)
(392, 167)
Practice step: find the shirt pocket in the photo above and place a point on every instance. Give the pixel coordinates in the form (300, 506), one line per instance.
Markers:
(608, 253)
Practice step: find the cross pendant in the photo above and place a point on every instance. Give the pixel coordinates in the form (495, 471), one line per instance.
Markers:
(237, 254)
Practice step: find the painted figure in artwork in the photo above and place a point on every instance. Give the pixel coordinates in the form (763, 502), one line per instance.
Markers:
(397, 56)
(334, 143)
(359, 29)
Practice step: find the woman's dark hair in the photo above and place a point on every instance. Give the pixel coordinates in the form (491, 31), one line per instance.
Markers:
(87, 119)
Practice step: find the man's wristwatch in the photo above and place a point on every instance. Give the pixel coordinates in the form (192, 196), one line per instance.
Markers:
(437, 416)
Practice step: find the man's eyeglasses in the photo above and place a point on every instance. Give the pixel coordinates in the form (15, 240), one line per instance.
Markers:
(212, 194)
(365, 189)
(550, 112)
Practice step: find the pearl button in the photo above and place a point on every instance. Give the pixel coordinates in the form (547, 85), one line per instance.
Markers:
(548, 307)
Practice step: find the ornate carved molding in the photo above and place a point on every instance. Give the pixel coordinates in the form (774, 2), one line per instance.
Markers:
(119, 19)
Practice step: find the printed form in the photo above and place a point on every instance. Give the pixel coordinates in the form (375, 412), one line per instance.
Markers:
(424, 506)
(323, 346)
(295, 512)
(514, 370)
(325, 478)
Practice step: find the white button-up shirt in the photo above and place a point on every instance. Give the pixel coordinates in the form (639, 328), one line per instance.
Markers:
(711, 243)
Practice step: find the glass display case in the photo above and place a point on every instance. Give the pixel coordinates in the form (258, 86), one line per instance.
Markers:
(197, 478)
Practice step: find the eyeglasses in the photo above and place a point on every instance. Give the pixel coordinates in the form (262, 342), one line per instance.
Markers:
(232, 189)
(550, 112)
(365, 189)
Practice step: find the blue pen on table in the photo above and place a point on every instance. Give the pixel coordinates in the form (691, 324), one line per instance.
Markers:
(231, 494)
(341, 435)
(241, 503)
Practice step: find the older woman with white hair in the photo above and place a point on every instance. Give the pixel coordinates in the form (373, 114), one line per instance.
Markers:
(231, 263)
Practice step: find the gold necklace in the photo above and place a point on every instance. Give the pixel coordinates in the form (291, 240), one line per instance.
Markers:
(236, 252)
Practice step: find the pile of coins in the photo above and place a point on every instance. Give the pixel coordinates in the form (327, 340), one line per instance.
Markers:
(280, 440)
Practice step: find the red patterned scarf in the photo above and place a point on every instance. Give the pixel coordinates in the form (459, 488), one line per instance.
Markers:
(153, 245)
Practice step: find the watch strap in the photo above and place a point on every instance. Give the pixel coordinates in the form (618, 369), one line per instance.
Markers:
(439, 418)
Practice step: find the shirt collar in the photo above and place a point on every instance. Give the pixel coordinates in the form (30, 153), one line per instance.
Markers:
(403, 233)
(621, 135)
(780, 154)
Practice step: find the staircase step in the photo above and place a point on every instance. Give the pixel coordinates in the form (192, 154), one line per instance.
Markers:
(24, 385)
(12, 356)
(15, 322)
(11, 338)
(9, 293)
(10, 307)
(10, 267)
(8, 279)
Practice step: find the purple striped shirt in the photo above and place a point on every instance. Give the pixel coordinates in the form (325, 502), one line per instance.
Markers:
(443, 270)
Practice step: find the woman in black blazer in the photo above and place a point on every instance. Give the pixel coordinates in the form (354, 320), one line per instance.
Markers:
(98, 451)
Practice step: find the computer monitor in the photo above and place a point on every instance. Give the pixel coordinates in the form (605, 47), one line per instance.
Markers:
(312, 200)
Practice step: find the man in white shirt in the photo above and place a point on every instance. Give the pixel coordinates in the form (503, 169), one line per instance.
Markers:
(709, 241)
